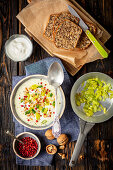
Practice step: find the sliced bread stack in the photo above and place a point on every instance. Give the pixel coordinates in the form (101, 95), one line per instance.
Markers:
(64, 31)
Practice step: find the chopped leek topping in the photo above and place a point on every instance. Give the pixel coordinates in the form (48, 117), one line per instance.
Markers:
(53, 103)
(44, 122)
(33, 111)
(27, 112)
(43, 109)
(40, 86)
(51, 94)
(37, 116)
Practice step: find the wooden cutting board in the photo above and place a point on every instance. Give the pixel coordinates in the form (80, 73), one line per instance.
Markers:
(103, 39)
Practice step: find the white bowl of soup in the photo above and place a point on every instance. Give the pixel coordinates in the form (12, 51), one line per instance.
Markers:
(32, 102)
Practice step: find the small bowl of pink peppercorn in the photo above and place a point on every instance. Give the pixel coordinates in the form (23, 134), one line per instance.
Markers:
(30, 148)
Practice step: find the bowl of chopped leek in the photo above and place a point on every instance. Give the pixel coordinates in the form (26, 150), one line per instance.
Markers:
(92, 97)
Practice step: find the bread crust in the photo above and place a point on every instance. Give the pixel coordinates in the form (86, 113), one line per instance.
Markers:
(50, 34)
(68, 37)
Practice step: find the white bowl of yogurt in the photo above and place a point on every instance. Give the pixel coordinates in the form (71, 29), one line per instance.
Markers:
(18, 47)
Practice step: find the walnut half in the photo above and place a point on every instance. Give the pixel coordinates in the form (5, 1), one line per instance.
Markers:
(51, 149)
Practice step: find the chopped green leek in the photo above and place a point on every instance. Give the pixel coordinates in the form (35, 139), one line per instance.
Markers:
(37, 116)
(43, 109)
(21, 100)
(33, 111)
(51, 94)
(44, 122)
(94, 91)
(40, 86)
(53, 103)
(27, 112)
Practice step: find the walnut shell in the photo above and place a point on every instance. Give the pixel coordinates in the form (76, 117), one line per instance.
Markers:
(62, 139)
(49, 134)
(51, 149)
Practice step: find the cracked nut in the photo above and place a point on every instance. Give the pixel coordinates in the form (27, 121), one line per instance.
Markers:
(62, 139)
(51, 149)
(49, 134)
(61, 147)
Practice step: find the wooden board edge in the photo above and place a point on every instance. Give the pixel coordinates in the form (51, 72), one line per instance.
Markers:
(105, 32)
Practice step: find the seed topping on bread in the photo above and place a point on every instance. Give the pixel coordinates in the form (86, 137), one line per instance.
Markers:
(63, 16)
(67, 35)
(49, 28)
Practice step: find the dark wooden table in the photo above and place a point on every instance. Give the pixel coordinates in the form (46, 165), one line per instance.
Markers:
(97, 151)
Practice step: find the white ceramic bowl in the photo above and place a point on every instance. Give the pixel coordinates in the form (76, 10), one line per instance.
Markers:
(22, 135)
(12, 103)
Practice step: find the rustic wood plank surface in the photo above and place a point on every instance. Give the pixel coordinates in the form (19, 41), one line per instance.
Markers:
(97, 151)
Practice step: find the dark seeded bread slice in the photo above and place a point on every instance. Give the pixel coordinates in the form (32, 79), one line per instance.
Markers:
(49, 28)
(63, 16)
(84, 41)
(67, 35)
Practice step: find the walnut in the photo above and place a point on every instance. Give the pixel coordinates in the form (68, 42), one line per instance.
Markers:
(51, 149)
(62, 139)
(49, 134)
(61, 147)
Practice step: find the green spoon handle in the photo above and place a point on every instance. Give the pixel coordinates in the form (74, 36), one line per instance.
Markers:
(97, 45)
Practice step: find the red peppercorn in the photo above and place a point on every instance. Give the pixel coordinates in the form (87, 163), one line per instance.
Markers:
(28, 149)
(25, 96)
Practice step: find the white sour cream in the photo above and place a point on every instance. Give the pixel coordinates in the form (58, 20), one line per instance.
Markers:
(31, 119)
(18, 48)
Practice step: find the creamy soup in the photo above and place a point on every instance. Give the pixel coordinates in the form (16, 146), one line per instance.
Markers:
(35, 102)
